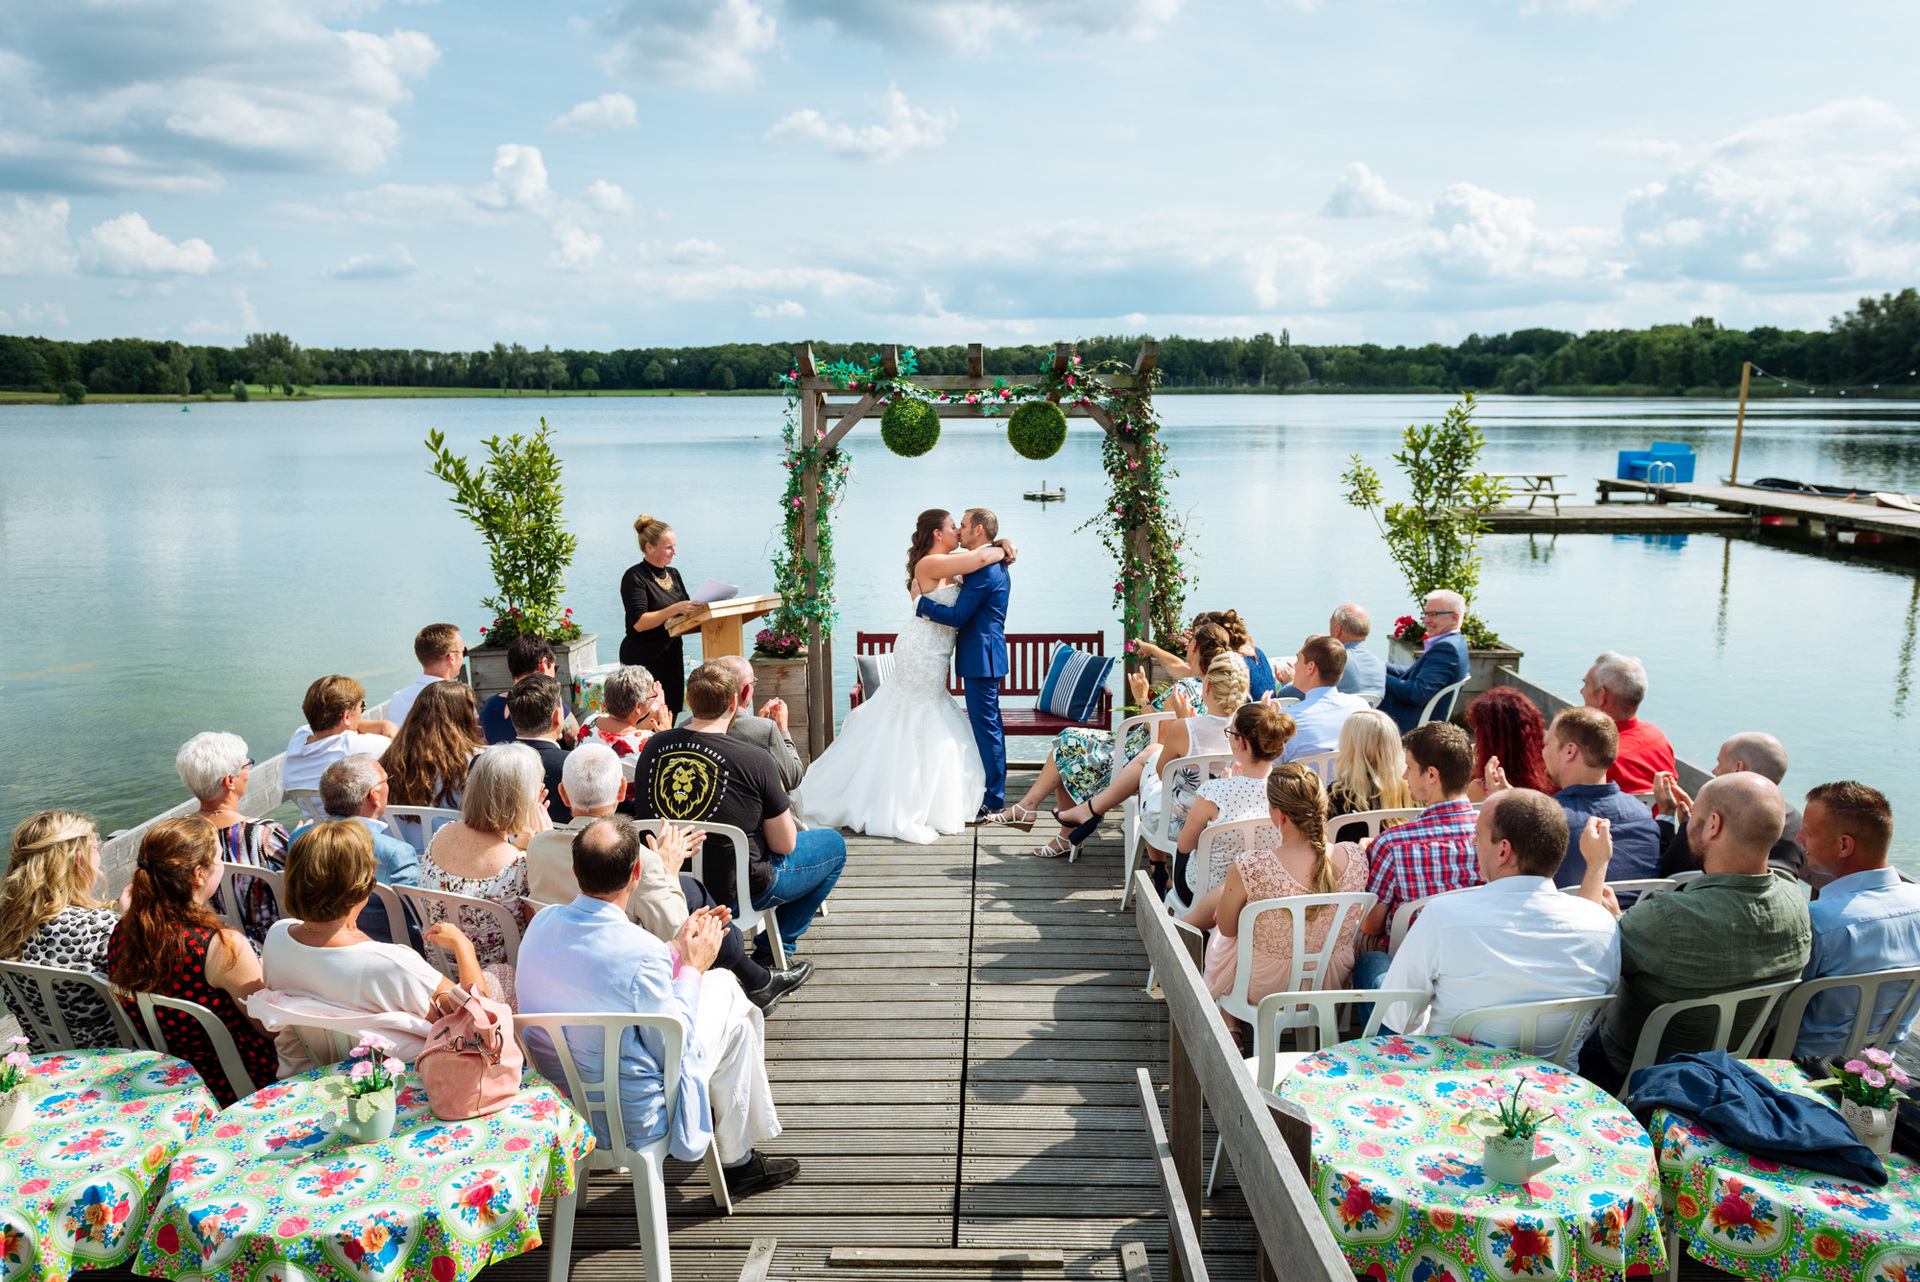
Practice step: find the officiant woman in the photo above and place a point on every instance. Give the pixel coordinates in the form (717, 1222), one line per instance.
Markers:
(655, 596)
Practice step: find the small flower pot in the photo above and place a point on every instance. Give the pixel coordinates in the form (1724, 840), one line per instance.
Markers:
(1509, 1159)
(16, 1111)
(374, 1121)
(1871, 1126)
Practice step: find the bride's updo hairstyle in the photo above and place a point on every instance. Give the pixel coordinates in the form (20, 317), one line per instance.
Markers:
(931, 522)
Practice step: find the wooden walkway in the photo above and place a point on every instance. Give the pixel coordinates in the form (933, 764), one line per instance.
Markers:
(1834, 515)
(1615, 518)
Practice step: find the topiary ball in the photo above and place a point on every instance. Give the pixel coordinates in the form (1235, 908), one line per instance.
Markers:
(1038, 429)
(910, 428)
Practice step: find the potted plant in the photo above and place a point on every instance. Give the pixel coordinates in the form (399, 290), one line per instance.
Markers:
(16, 1103)
(1508, 1133)
(1869, 1096)
(372, 1084)
(514, 499)
(780, 671)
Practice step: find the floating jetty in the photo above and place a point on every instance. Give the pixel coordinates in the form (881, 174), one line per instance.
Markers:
(1045, 495)
(1833, 514)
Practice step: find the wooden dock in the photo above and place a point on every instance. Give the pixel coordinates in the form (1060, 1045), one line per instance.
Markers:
(1833, 515)
(1615, 518)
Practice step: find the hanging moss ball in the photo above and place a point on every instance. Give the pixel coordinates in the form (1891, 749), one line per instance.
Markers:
(1038, 429)
(910, 428)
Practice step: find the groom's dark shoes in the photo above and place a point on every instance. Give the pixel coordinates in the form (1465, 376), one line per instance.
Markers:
(982, 816)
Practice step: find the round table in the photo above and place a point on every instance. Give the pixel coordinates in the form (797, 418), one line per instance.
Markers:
(1397, 1174)
(77, 1183)
(1759, 1218)
(272, 1192)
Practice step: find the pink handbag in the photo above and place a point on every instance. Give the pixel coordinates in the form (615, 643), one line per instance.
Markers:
(471, 1064)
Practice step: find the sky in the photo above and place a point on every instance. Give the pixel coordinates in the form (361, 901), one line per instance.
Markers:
(450, 174)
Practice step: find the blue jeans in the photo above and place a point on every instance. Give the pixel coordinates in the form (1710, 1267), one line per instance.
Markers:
(1369, 971)
(803, 879)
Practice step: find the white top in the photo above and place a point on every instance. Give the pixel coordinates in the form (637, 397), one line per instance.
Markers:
(402, 701)
(372, 977)
(306, 762)
(1509, 941)
(1236, 797)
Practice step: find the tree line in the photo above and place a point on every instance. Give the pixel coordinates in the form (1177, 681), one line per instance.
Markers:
(1877, 341)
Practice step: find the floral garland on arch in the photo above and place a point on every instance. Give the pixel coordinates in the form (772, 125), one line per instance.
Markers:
(1137, 463)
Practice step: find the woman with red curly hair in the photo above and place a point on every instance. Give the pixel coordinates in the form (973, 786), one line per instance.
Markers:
(1507, 728)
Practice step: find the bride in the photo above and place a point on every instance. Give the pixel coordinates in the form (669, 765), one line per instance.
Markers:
(905, 764)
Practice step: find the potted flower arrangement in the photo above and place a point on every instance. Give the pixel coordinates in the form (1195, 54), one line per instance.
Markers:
(1869, 1096)
(372, 1085)
(1508, 1131)
(16, 1104)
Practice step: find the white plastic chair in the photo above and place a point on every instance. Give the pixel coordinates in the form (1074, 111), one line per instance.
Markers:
(1321, 763)
(397, 916)
(28, 985)
(307, 802)
(1427, 713)
(1129, 814)
(443, 905)
(416, 825)
(596, 1098)
(1578, 1011)
(1862, 1033)
(223, 1048)
(1162, 834)
(1372, 698)
(628, 765)
(1286, 701)
(1403, 918)
(1633, 886)
(1726, 1009)
(1375, 820)
(230, 897)
(748, 918)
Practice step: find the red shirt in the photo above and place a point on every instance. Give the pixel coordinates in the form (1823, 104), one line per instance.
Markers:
(1644, 752)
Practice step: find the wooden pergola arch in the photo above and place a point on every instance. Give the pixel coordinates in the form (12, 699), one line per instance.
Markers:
(828, 412)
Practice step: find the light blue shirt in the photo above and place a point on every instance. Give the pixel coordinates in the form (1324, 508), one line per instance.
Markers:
(1863, 922)
(395, 863)
(1317, 719)
(1366, 672)
(586, 957)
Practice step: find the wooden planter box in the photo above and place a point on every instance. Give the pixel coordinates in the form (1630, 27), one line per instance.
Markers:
(1480, 666)
(784, 679)
(487, 666)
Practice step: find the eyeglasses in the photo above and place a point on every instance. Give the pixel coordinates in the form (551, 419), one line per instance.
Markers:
(1437, 614)
(1235, 734)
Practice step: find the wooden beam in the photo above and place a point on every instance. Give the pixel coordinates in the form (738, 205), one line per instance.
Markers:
(850, 416)
(941, 1257)
(1101, 417)
(976, 360)
(1072, 409)
(803, 360)
(889, 360)
(819, 711)
(1062, 357)
(969, 383)
(1134, 1265)
(1148, 358)
(1181, 1196)
(759, 1260)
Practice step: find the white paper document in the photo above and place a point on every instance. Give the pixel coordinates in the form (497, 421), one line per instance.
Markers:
(714, 590)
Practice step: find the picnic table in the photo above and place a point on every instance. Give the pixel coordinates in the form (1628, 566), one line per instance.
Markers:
(77, 1182)
(1398, 1175)
(1534, 486)
(272, 1188)
(1763, 1219)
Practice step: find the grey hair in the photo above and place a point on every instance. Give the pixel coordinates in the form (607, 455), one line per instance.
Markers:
(1353, 620)
(345, 784)
(1623, 677)
(591, 777)
(1763, 754)
(628, 687)
(206, 760)
(503, 789)
(740, 666)
(1451, 599)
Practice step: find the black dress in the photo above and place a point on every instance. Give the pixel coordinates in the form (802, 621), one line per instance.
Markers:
(641, 592)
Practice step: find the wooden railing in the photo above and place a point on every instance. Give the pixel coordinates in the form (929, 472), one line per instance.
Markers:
(1268, 1141)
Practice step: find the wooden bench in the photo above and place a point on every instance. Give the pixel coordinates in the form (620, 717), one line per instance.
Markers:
(1029, 654)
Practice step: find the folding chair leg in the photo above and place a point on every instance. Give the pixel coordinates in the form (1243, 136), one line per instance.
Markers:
(717, 1180)
(772, 927)
(1132, 865)
(560, 1245)
(1213, 1172)
(650, 1208)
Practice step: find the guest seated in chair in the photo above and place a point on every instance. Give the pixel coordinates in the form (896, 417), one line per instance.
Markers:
(1753, 750)
(334, 709)
(1866, 918)
(356, 788)
(217, 771)
(1516, 939)
(1616, 684)
(1432, 853)
(1369, 774)
(635, 710)
(1411, 686)
(1508, 734)
(1740, 926)
(477, 855)
(318, 962)
(526, 657)
(587, 956)
(170, 943)
(428, 760)
(539, 718)
(768, 730)
(1365, 672)
(1323, 708)
(441, 653)
(1579, 750)
(1257, 735)
(50, 917)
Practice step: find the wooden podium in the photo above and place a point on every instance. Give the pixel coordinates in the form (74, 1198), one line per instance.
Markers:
(719, 623)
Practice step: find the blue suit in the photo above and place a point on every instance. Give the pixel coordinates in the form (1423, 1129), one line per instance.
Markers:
(979, 614)
(1410, 685)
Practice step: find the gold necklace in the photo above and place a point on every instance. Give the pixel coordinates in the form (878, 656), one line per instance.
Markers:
(664, 579)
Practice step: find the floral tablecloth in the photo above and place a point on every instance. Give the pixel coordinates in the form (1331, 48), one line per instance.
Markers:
(1764, 1220)
(272, 1192)
(77, 1183)
(1398, 1176)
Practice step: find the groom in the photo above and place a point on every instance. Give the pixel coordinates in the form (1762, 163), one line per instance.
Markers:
(979, 613)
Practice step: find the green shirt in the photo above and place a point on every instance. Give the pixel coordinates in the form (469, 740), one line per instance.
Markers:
(1716, 934)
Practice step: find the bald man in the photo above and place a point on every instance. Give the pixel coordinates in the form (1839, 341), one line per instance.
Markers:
(768, 731)
(1740, 925)
(1754, 750)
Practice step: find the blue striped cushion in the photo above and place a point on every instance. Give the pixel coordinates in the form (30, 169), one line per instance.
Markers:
(1074, 682)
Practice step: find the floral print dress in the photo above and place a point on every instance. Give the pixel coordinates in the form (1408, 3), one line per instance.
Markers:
(506, 888)
(1084, 757)
(262, 843)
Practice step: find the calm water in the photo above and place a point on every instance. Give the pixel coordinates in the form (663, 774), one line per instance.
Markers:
(167, 572)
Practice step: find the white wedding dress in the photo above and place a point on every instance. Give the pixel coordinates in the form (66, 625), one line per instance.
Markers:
(905, 764)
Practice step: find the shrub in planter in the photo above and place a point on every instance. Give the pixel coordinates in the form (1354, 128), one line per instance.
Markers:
(1037, 429)
(910, 428)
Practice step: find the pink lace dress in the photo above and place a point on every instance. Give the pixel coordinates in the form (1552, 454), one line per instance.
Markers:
(1266, 878)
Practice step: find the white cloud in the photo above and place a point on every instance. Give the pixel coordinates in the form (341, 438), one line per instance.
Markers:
(1361, 193)
(171, 97)
(126, 246)
(786, 309)
(608, 198)
(576, 247)
(902, 128)
(608, 111)
(707, 44)
(33, 238)
(395, 263)
(971, 26)
(32, 316)
(519, 180)
(695, 250)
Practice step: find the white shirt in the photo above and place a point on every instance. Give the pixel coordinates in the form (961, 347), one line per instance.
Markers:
(1317, 719)
(306, 762)
(1515, 940)
(373, 977)
(402, 702)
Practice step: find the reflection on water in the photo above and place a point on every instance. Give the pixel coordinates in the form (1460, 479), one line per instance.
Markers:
(168, 573)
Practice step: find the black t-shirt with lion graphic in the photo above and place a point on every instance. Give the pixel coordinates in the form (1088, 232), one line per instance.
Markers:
(690, 774)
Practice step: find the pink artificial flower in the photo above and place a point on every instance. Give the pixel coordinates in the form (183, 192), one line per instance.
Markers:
(1874, 1078)
(1857, 1067)
(393, 1066)
(362, 1071)
(1875, 1055)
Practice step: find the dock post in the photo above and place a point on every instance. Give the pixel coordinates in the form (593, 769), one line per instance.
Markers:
(1740, 422)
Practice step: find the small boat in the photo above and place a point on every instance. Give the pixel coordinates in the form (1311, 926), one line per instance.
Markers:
(1806, 487)
(1899, 502)
(1045, 495)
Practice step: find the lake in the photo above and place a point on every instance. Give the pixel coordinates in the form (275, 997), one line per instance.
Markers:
(168, 572)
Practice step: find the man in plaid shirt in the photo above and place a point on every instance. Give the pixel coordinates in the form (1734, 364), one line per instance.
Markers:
(1432, 853)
